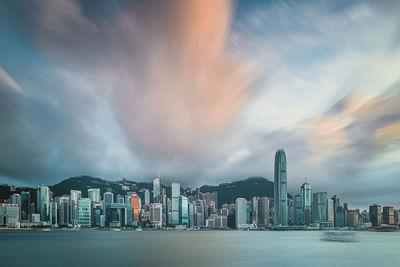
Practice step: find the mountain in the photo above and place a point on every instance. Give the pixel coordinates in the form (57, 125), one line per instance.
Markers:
(248, 188)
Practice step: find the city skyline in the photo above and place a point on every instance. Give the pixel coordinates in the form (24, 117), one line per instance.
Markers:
(127, 88)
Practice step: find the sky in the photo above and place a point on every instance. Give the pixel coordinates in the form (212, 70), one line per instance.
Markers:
(204, 91)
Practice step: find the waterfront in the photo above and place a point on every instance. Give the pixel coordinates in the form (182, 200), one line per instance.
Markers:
(201, 248)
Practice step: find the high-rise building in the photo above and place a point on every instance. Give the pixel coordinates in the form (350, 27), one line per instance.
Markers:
(388, 215)
(94, 194)
(191, 213)
(254, 212)
(156, 214)
(336, 204)
(183, 211)
(298, 209)
(352, 218)
(280, 189)
(147, 196)
(375, 214)
(330, 213)
(25, 205)
(306, 197)
(43, 202)
(340, 217)
(108, 198)
(263, 211)
(176, 192)
(16, 199)
(135, 202)
(157, 189)
(9, 215)
(75, 195)
(84, 212)
(319, 207)
(53, 213)
(96, 213)
(241, 212)
(64, 210)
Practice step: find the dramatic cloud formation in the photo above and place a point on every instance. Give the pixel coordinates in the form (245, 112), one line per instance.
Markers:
(204, 90)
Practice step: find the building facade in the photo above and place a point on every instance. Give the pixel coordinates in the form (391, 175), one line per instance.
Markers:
(280, 189)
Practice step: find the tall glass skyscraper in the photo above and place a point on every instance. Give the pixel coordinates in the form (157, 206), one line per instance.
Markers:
(146, 196)
(74, 197)
(156, 189)
(176, 192)
(298, 209)
(43, 202)
(94, 194)
(241, 212)
(84, 212)
(280, 189)
(64, 210)
(306, 196)
(319, 210)
(183, 211)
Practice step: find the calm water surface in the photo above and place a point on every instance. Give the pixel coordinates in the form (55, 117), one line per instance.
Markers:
(210, 248)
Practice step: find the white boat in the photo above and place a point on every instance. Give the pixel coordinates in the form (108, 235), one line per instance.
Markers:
(116, 229)
(339, 236)
(46, 229)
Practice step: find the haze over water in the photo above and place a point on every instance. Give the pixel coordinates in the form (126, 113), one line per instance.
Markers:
(204, 248)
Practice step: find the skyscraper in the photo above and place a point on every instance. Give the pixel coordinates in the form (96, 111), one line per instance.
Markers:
(53, 213)
(64, 210)
(183, 211)
(176, 192)
(16, 199)
(306, 197)
(156, 214)
(241, 212)
(298, 209)
(330, 214)
(156, 189)
(108, 198)
(336, 205)
(263, 211)
(94, 194)
(319, 210)
(280, 189)
(84, 212)
(387, 215)
(135, 202)
(43, 202)
(74, 197)
(25, 205)
(254, 214)
(146, 196)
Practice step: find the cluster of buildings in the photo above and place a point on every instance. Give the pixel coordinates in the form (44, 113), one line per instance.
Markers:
(197, 210)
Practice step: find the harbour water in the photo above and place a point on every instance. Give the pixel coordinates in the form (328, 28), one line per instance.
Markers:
(202, 248)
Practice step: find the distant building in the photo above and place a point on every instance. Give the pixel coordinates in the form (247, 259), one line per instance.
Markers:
(263, 211)
(9, 215)
(147, 196)
(319, 207)
(43, 202)
(94, 194)
(352, 218)
(375, 214)
(388, 215)
(176, 192)
(241, 212)
(84, 212)
(330, 213)
(108, 198)
(157, 190)
(135, 202)
(16, 199)
(306, 197)
(25, 206)
(156, 214)
(255, 210)
(64, 210)
(75, 195)
(280, 189)
(183, 211)
(340, 217)
(336, 204)
(53, 213)
(298, 209)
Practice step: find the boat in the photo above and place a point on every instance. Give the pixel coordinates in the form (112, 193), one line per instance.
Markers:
(116, 229)
(46, 229)
(339, 236)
